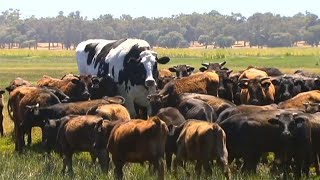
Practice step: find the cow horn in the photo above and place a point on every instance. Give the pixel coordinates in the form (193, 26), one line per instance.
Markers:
(37, 105)
(244, 80)
(115, 99)
(294, 115)
(264, 78)
(222, 63)
(205, 64)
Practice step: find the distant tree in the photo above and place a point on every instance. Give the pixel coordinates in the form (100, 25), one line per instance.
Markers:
(280, 40)
(205, 39)
(171, 40)
(224, 41)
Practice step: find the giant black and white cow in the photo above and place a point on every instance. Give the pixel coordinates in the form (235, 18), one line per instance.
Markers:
(131, 63)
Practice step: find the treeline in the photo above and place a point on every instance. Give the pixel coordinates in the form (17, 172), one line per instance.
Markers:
(211, 28)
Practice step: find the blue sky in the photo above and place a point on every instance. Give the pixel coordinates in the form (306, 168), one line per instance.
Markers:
(159, 8)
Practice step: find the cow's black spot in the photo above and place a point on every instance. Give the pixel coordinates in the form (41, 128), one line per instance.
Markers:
(91, 48)
(100, 59)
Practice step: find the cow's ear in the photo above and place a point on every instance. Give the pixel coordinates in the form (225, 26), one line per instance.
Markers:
(276, 82)
(163, 60)
(203, 69)
(75, 81)
(266, 85)
(190, 69)
(10, 88)
(172, 69)
(2, 91)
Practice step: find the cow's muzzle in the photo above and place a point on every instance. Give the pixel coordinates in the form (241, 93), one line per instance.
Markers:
(150, 83)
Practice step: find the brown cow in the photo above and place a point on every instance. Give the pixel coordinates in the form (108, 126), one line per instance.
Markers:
(257, 88)
(19, 98)
(111, 112)
(138, 141)
(1, 112)
(165, 76)
(297, 102)
(203, 83)
(16, 83)
(201, 142)
(77, 134)
(75, 88)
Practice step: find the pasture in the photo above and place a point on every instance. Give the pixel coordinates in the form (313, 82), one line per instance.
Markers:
(31, 65)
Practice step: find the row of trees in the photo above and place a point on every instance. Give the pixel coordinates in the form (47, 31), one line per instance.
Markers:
(221, 30)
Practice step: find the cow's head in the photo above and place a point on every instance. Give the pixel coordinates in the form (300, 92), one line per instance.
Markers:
(162, 81)
(289, 123)
(311, 107)
(212, 66)
(146, 67)
(256, 90)
(78, 88)
(102, 86)
(156, 103)
(16, 83)
(225, 88)
(182, 70)
(286, 87)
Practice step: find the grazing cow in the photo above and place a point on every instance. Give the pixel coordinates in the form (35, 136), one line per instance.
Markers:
(19, 99)
(130, 62)
(306, 74)
(136, 141)
(16, 83)
(201, 142)
(216, 103)
(257, 88)
(197, 109)
(77, 134)
(284, 132)
(243, 109)
(212, 66)
(1, 112)
(205, 83)
(111, 112)
(269, 70)
(298, 101)
(75, 88)
(102, 86)
(75, 108)
(182, 70)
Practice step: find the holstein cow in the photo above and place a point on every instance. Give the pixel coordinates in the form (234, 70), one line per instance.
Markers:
(130, 62)
(201, 142)
(1, 112)
(135, 141)
(257, 88)
(182, 70)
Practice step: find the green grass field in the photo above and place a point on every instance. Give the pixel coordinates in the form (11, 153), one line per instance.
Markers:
(32, 65)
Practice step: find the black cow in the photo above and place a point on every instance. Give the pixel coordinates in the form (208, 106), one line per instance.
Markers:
(182, 70)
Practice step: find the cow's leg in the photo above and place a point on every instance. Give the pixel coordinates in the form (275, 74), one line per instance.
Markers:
(93, 156)
(1, 124)
(197, 168)
(207, 167)
(68, 158)
(316, 163)
(168, 160)
(103, 158)
(29, 131)
(118, 169)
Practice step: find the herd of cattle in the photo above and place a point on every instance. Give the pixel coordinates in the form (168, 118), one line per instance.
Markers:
(122, 105)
